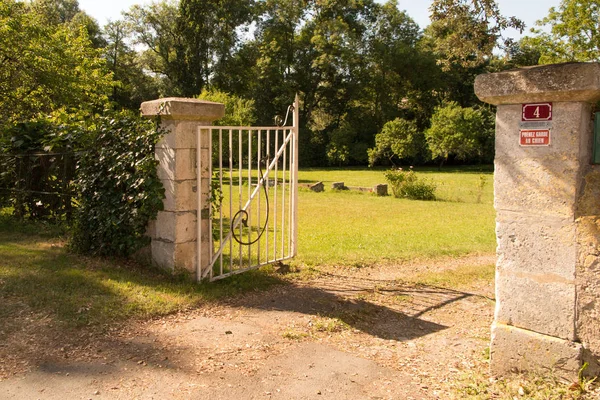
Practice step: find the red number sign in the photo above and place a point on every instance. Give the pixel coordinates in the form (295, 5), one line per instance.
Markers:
(537, 112)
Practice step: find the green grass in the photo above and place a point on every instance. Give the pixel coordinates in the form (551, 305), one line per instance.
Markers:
(335, 228)
(456, 184)
(35, 269)
(358, 228)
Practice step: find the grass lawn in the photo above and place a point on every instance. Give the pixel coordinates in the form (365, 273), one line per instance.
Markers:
(347, 227)
(335, 228)
(37, 270)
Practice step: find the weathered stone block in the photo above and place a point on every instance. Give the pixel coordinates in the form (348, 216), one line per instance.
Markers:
(338, 186)
(181, 109)
(174, 232)
(177, 164)
(536, 244)
(548, 245)
(381, 189)
(163, 254)
(174, 256)
(560, 82)
(180, 135)
(180, 195)
(205, 158)
(566, 133)
(588, 270)
(541, 187)
(317, 187)
(543, 303)
(515, 349)
(177, 227)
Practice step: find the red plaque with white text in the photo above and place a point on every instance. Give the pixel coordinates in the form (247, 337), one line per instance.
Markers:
(537, 112)
(535, 137)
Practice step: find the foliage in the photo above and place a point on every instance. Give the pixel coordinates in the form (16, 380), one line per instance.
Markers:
(406, 184)
(154, 28)
(573, 33)
(37, 166)
(46, 67)
(355, 65)
(208, 31)
(461, 132)
(238, 111)
(399, 138)
(56, 11)
(118, 187)
(345, 145)
(523, 53)
(465, 32)
(131, 86)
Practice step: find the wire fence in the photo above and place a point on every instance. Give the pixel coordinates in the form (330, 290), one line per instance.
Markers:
(38, 185)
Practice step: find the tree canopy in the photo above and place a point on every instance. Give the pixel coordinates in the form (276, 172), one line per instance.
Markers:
(357, 65)
(46, 67)
(574, 33)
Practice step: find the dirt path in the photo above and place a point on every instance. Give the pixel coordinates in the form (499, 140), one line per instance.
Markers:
(351, 334)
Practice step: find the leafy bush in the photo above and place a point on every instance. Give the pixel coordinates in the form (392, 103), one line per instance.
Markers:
(398, 138)
(466, 133)
(119, 190)
(37, 166)
(238, 111)
(406, 184)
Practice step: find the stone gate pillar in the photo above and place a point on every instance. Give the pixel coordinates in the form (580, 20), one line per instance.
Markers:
(547, 200)
(174, 232)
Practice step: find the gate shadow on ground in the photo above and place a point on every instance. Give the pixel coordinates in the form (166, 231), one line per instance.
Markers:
(389, 310)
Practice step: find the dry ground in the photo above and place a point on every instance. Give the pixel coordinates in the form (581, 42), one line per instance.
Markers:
(363, 333)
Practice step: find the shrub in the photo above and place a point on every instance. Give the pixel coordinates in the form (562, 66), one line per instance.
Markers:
(406, 184)
(118, 187)
(399, 138)
(466, 133)
(37, 166)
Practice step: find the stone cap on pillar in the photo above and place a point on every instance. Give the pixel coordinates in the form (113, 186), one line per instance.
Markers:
(579, 82)
(181, 108)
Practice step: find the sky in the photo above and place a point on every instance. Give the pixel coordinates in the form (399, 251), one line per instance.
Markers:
(527, 10)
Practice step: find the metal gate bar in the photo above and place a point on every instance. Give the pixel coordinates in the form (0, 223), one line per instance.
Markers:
(267, 162)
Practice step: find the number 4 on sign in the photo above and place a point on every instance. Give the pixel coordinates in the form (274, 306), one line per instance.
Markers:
(537, 112)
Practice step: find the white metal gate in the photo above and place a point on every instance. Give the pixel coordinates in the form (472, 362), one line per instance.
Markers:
(253, 195)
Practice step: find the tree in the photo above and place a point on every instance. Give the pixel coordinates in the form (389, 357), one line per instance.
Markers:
(131, 85)
(209, 32)
(522, 54)
(274, 55)
(238, 111)
(465, 32)
(574, 33)
(154, 26)
(398, 138)
(395, 64)
(56, 11)
(461, 132)
(67, 12)
(46, 67)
